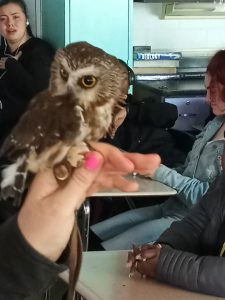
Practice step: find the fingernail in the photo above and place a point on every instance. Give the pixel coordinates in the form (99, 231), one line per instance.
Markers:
(91, 162)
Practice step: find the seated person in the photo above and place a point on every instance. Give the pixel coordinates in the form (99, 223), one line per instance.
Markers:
(191, 252)
(191, 180)
(24, 64)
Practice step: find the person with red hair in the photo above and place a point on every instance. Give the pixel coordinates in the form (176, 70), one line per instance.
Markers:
(191, 180)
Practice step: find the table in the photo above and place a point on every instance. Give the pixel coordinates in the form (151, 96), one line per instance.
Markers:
(147, 187)
(104, 276)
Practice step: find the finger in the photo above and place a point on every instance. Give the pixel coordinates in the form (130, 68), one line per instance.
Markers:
(144, 267)
(144, 162)
(147, 254)
(83, 177)
(116, 159)
(113, 182)
(74, 191)
(125, 185)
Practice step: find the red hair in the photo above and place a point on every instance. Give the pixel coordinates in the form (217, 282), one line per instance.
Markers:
(216, 69)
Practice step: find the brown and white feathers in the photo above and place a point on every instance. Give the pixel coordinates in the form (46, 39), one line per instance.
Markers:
(86, 87)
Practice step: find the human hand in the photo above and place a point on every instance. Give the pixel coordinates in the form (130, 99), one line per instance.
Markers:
(4, 59)
(118, 163)
(144, 259)
(3, 62)
(145, 164)
(47, 216)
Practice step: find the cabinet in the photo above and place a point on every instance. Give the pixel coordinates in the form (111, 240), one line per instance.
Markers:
(105, 24)
(192, 112)
(187, 95)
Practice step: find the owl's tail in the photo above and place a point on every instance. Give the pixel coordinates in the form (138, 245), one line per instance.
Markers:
(14, 181)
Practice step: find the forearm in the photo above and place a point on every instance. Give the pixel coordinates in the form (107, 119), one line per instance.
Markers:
(23, 270)
(189, 190)
(204, 274)
(186, 234)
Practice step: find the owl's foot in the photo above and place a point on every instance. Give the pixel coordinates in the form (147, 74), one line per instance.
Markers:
(76, 155)
(64, 169)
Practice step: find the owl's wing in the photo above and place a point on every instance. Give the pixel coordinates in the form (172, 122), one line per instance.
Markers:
(47, 121)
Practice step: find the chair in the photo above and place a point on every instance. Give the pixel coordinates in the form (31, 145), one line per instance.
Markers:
(84, 223)
(183, 140)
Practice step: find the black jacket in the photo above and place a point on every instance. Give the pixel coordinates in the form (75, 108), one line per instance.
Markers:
(145, 130)
(22, 80)
(23, 271)
(192, 260)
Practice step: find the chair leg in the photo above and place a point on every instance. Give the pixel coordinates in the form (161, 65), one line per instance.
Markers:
(79, 297)
(84, 223)
(130, 202)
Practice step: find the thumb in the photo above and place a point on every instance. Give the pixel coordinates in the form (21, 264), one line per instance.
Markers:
(83, 177)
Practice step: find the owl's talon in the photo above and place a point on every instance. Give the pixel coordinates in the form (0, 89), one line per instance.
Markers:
(75, 156)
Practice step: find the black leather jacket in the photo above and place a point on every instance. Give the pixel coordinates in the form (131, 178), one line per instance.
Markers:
(192, 260)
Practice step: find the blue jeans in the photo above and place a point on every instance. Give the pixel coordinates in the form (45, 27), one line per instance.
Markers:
(137, 226)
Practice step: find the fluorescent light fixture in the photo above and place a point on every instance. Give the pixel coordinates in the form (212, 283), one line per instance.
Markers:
(197, 9)
(177, 6)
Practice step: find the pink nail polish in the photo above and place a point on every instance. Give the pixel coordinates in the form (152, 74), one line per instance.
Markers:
(91, 162)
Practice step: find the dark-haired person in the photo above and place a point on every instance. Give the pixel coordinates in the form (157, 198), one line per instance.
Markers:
(24, 64)
(191, 180)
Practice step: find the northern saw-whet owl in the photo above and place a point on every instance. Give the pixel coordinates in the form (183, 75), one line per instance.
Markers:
(87, 86)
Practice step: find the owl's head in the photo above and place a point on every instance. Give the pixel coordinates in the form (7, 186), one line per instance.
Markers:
(89, 74)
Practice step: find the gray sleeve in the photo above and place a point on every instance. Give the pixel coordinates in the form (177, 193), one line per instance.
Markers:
(204, 274)
(183, 260)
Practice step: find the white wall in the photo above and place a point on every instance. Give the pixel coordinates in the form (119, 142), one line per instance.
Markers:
(201, 35)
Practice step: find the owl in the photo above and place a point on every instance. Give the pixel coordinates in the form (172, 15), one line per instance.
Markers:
(86, 88)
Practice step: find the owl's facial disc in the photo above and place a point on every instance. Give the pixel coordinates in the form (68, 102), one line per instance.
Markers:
(87, 81)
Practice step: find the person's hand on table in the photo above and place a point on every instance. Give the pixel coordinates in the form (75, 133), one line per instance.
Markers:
(47, 216)
(144, 260)
(145, 165)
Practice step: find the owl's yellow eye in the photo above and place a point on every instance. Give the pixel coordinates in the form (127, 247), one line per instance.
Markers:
(64, 74)
(88, 81)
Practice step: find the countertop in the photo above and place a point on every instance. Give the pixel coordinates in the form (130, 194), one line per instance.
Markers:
(173, 87)
(104, 276)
